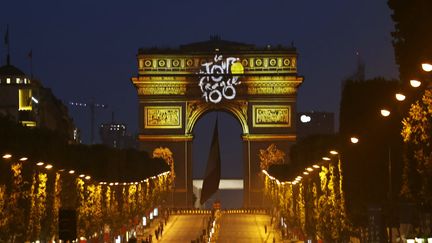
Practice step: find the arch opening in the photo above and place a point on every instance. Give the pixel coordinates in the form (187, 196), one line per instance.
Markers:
(230, 192)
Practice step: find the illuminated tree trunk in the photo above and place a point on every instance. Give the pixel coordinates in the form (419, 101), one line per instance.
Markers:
(15, 205)
(56, 205)
(4, 217)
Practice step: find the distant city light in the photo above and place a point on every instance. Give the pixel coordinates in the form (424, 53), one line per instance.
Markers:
(7, 156)
(334, 152)
(325, 158)
(35, 100)
(305, 118)
(40, 163)
(71, 172)
(87, 177)
(48, 166)
(23, 159)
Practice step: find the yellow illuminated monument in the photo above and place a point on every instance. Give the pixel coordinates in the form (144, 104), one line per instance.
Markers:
(175, 87)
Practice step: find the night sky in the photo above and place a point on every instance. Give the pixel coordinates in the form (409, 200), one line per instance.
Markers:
(86, 50)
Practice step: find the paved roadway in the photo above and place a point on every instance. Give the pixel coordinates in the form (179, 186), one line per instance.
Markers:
(250, 228)
(234, 228)
(184, 228)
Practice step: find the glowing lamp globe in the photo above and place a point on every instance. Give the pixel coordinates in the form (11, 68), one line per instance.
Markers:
(415, 83)
(400, 97)
(427, 67)
(354, 140)
(385, 112)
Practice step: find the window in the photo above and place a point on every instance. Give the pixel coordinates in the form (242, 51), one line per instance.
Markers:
(24, 100)
(28, 123)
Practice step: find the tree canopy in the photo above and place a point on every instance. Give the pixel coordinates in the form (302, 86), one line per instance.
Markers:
(412, 37)
(101, 162)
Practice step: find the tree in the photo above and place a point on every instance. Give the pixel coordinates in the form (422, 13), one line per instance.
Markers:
(412, 37)
(271, 155)
(417, 133)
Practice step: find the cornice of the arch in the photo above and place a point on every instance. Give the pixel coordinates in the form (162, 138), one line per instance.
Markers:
(195, 109)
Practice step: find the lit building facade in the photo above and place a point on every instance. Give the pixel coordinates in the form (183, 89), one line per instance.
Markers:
(16, 96)
(176, 87)
(26, 101)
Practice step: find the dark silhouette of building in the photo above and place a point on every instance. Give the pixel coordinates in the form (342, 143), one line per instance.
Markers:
(314, 123)
(115, 135)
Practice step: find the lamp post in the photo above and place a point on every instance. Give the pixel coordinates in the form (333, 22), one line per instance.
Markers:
(386, 113)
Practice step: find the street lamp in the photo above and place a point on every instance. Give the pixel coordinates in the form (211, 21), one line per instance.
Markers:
(400, 96)
(385, 112)
(427, 67)
(354, 140)
(415, 83)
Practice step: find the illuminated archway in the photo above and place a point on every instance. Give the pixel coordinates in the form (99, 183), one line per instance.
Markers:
(196, 109)
(258, 86)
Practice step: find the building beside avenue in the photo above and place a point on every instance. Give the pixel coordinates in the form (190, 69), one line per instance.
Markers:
(28, 102)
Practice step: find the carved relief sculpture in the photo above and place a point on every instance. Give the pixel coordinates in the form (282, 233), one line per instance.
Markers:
(162, 117)
(271, 116)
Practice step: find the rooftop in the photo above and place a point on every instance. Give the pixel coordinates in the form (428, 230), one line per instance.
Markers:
(10, 70)
(215, 43)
